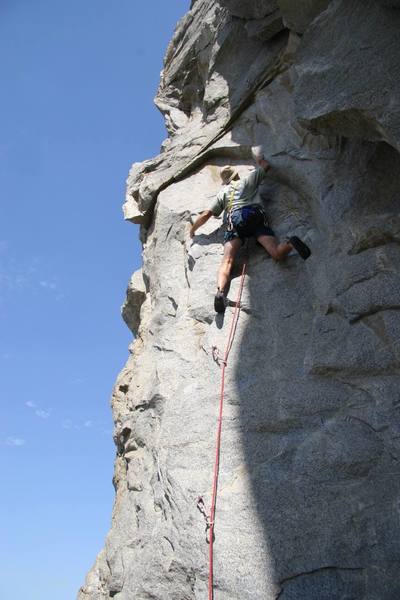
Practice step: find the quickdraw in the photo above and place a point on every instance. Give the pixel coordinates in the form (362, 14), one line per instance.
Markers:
(202, 508)
(216, 356)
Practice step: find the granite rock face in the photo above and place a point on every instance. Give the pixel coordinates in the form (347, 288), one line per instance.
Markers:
(350, 84)
(309, 486)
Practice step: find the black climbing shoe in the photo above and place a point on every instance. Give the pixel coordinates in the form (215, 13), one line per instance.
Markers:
(219, 302)
(300, 246)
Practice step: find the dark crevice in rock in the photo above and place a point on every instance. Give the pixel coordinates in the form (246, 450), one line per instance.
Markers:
(311, 574)
(352, 417)
(373, 310)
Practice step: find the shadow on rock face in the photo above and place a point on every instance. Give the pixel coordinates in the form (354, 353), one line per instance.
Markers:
(317, 353)
(318, 422)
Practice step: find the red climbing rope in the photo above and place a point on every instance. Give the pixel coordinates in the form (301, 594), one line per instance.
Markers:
(211, 518)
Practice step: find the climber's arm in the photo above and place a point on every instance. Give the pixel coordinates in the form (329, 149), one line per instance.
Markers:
(201, 219)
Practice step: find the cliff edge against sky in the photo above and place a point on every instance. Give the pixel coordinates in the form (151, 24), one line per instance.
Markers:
(309, 483)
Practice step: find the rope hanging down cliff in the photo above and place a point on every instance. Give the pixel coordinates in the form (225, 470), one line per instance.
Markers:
(210, 519)
(242, 205)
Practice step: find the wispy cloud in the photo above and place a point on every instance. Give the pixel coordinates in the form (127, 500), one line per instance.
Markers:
(95, 427)
(69, 424)
(15, 441)
(42, 414)
(19, 275)
(39, 412)
(52, 286)
(48, 285)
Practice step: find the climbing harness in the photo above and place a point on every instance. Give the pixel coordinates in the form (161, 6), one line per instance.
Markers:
(243, 219)
(223, 362)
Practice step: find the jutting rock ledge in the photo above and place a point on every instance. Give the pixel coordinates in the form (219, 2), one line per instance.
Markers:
(309, 493)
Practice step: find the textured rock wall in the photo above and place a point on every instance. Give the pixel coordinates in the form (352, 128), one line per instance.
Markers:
(309, 492)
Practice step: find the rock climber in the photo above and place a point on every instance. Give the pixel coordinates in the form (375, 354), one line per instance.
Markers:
(244, 217)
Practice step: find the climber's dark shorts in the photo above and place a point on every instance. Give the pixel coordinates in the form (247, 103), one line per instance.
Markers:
(249, 221)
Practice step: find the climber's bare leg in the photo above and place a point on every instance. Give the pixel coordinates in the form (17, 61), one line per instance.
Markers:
(230, 250)
(278, 251)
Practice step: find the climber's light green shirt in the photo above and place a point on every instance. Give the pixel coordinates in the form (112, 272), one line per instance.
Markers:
(243, 192)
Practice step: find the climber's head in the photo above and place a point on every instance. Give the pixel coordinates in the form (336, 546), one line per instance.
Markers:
(228, 174)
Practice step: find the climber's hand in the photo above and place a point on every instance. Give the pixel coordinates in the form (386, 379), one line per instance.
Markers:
(257, 152)
(258, 155)
(264, 164)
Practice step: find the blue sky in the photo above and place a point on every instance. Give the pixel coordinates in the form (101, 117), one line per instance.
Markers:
(78, 81)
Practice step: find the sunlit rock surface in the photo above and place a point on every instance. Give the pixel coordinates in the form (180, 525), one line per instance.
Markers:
(309, 484)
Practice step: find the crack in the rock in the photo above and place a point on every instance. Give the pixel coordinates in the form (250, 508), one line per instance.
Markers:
(168, 232)
(333, 568)
(360, 280)
(373, 310)
(174, 304)
(267, 77)
(352, 417)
